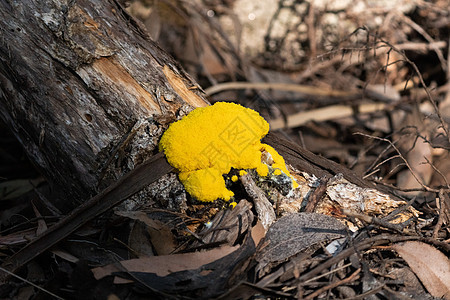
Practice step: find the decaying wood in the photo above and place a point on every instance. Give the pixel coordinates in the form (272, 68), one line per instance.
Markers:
(224, 230)
(75, 77)
(307, 161)
(263, 207)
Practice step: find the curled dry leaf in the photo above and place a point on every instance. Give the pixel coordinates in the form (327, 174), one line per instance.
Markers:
(417, 159)
(160, 234)
(17, 238)
(430, 265)
(205, 272)
(417, 151)
(139, 240)
(166, 264)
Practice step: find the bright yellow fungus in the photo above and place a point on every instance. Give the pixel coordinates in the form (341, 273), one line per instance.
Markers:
(277, 172)
(234, 178)
(242, 172)
(211, 140)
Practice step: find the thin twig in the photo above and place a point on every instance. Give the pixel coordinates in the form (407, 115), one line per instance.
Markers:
(438, 171)
(442, 213)
(31, 283)
(366, 244)
(427, 188)
(326, 274)
(431, 41)
(419, 75)
(351, 278)
(368, 293)
(304, 89)
(376, 221)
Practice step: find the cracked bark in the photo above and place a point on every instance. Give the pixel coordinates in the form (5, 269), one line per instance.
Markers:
(75, 79)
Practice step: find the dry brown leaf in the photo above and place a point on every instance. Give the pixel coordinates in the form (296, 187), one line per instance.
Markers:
(139, 241)
(443, 165)
(295, 232)
(410, 281)
(258, 233)
(417, 151)
(429, 264)
(211, 62)
(42, 225)
(17, 238)
(169, 272)
(417, 159)
(160, 234)
(166, 264)
(161, 237)
(209, 273)
(65, 255)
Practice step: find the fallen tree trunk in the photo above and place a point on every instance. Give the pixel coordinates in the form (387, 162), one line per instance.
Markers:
(82, 82)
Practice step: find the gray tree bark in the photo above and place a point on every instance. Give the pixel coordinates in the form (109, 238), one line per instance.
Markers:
(80, 83)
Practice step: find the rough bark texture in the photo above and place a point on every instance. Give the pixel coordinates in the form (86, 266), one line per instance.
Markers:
(81, 82)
